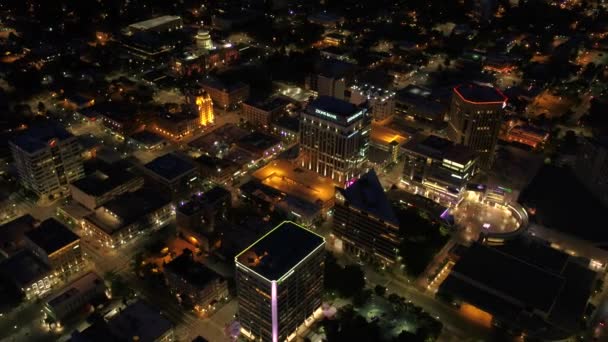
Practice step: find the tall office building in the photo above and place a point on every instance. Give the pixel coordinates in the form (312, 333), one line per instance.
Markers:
(365, 224)
(48, 158)
(279, 282)
(334, 138)
(438, 168)
(475, 118)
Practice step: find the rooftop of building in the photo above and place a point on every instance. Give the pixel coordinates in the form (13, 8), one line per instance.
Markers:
(439, 148)
(104, 180)
(367, 194)
(286, 177)
(271, 104)
(24, 268)
(51, 236)
(193, 272)
(479, 94)
(86, 283)
(154, 22)
(288, 122)
(170, 166)
(222, 85)
(41, 135)
(548, 280)
(215, 163)
(13, 232)
(176, 116)
(280, 250)
(258, 142)
(208, 198)
(327, 107)
(139, 321)
(135, 205)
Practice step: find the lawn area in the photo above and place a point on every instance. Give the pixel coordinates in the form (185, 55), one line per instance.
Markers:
(561, 202)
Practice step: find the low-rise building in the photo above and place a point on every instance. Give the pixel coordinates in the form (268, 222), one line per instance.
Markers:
(165, 23)
(172, 171)
(438, 168)
(195, 283)
(57, 246)
(262, 113)
(32, 277)
(74, 296)
(227, 96)
(176, 125)
(528, 135)
(545, 300)
(103, 185)
(137, 322)
(12, 234)
(287, 128)
(260, 145)
(128, 215)
(196, 218)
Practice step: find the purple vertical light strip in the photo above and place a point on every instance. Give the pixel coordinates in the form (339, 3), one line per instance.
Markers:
(274, 311)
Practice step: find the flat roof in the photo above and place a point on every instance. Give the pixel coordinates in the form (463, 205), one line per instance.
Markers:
(170, 166)
(257, 141)
(286, 177)
(439, 148)
(154, 22)
(13, 232)
(222, 85)
(387, 135)
(24, 268)
(330, 108)
(141, 320)
(52, 236)
(103, 181)
(40, 135)
(270, 104)
(367, 194)
(134, 205)
(86, 283)
(479, 94)
(280, 250)
(533, 286)
(195, 273)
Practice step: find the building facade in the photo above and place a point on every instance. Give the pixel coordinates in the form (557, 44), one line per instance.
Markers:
(57, 246)
(48, 159)
(279, 282)
(196, 283)
(334, 138)
(74, 296)
(438, 168)
(475, 118)
(263, 113)
(225, 96)
(364, 222)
